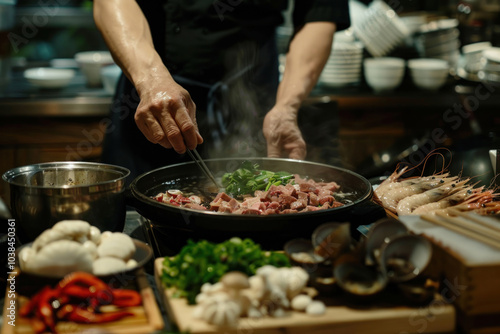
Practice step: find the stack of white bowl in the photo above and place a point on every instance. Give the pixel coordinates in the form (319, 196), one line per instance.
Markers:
(384, 73)
(470, 62)
(343, 67)
(429, 73)
(490, 65)
(91, 62)
(439, 39)
(413, 22)
(380, 29)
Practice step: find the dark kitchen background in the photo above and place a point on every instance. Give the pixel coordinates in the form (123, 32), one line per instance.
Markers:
(350, 124)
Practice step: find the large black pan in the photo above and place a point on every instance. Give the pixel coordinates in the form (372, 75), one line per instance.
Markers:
(174, 221)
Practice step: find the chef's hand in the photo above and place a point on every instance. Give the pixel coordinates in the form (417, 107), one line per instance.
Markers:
(166, 114)
(282, 134)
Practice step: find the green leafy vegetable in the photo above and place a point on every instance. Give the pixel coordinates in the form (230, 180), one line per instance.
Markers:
(206, 262)
(249, 178)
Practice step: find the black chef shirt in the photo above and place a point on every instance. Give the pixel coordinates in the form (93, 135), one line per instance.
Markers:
(202, 38)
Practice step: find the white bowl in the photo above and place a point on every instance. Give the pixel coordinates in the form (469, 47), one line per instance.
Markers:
(90, 63)
(110, 75)
(429, 73)
(384, 73)
(492, 55)
(46, 77)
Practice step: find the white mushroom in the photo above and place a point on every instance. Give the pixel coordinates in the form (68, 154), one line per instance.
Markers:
(235, 283)
(208, 290)
(60, 258)
(257, 288)
(300, 302)
(108, 265)
(219, 309)
(316, 307)
(117, 245)
(297, 279)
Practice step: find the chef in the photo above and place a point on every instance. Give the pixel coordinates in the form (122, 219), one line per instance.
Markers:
(204, 74)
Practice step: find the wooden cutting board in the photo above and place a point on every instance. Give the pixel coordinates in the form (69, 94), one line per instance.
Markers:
(147, 317)
(438, 317)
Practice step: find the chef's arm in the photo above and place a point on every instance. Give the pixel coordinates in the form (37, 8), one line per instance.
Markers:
(309, 50)
(166, 113)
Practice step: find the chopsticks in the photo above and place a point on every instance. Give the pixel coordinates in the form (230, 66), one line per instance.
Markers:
(475, 218)
(199, 161)
(468, 228)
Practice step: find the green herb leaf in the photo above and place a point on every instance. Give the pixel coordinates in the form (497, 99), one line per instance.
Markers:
(249, 178)
(205, 262)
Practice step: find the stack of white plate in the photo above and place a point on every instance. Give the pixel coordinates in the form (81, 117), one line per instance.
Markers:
(490, 65)
(381, 29)
(439, 39)
(343, 67)
(470, 62)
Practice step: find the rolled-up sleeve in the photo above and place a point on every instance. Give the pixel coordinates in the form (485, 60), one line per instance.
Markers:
(336, 11)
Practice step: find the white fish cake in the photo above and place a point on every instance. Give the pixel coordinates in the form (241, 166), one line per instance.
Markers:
(74, 228)
(94, 235)
(47, 237)
(60, 258)
(108, 265)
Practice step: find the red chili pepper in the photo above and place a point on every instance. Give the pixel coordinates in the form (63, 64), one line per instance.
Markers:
(44, 310)
(81, 315)
(83, 278)
(125, 297)
(87, 295)
(29, 308)
(174, 203)
(86, 287)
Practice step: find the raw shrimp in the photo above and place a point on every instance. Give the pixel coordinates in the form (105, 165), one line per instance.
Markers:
(405, 183)
(394, 177)
(391, 199)
(408, 204)
(483, 206)
(462, 196)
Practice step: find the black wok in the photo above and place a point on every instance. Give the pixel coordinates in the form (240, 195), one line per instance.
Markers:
(180, 223)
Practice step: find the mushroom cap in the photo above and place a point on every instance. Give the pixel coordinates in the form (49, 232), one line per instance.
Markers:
(235, 280)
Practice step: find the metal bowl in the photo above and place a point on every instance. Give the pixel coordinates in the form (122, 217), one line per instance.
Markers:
(43, 194)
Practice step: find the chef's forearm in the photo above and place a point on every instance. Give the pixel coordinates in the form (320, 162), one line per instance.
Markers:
(309, 51)
(128, 37)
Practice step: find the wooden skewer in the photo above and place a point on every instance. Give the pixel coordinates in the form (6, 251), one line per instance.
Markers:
(463, 231)
(480, 229)
(475, 219)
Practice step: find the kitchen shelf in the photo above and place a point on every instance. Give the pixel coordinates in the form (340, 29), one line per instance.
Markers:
(57, 16)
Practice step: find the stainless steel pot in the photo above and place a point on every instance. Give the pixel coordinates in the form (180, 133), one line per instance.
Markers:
(43, 194)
